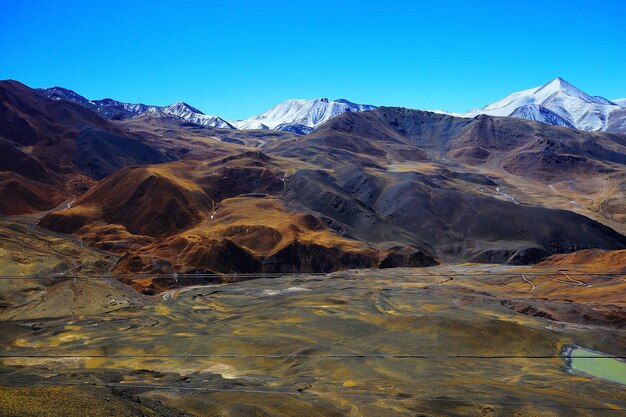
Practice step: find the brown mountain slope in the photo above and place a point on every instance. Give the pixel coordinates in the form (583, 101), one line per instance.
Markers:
(21, 195)
(436, 213)
(591, 260)
(538, 151)
(253, 234)
(388, 203)
(53, 144)
(185, 140)
(537, 164)
(375, 138)
(388, 187)
(142, 201)
(216, 217)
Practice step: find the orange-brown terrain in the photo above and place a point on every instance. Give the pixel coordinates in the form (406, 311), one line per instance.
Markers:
(590, 260)
(384, 188)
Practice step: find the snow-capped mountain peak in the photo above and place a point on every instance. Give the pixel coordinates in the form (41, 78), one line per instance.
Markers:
(558, 103)
(560, 86)
(107, 107)
(109, 103)
(540, 114)
(301, 115)
(180, 108)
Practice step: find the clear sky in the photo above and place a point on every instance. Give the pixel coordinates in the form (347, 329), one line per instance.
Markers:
(236, 58)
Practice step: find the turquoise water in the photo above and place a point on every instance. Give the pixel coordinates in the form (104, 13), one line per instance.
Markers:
(596, 364)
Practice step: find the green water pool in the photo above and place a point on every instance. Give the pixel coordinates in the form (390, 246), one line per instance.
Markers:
(595, 364)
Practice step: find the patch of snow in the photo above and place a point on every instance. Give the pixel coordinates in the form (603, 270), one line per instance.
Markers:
(69, 205)
(286, 291)
(249, 125)
(506, 196)
(447, 113)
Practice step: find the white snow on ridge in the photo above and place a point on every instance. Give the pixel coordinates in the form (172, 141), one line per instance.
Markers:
(300, 114)
(60, 93)
(447, 113)
(181, 109)
(620, 101)
(193, 115)
(109, 108)
(129, 107)
(558, 103)
(249, 124)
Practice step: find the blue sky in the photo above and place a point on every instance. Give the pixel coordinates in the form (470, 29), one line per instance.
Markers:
(237, 58)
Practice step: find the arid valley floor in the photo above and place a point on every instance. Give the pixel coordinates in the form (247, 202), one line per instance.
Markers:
(463, 340)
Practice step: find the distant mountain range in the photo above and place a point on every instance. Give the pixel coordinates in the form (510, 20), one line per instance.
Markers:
(557, 103)
(113, 109)
(296, 116)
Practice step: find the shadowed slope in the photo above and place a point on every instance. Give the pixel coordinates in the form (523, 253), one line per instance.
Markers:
(56, 142)
(416, 209)
(377, 137)
(538, 151)
(21, 195)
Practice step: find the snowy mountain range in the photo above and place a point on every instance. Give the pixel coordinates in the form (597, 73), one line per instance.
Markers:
(300, 116)
(114, 109)
(560, 103)
(297, 116)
